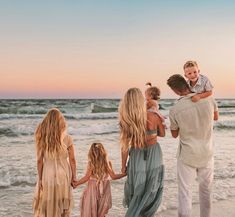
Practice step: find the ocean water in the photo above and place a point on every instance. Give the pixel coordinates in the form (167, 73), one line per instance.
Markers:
(96, 120)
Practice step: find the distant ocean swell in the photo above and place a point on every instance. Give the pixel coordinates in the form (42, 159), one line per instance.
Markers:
(24, 177)
(30, 110)
(225, 125)
(20, 131)
(81, 116)
(96, 129)
(92, 116)
(12, 176)
(102, 129)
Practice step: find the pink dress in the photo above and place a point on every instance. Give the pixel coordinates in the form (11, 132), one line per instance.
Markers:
(96, 199)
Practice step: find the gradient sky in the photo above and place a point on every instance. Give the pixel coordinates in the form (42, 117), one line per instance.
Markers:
(96, 49)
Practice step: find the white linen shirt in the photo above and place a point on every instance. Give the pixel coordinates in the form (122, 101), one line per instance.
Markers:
(194, 120)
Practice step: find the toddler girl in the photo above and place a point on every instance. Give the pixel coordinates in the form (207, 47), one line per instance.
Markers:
(152, 95)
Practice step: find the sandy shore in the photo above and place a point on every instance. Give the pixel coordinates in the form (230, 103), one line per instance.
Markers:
(223, 208)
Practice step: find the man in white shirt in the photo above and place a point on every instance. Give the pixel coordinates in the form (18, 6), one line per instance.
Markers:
(193, 123)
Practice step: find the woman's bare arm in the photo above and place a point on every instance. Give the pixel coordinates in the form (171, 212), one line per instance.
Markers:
(72, 161)
(216, 116)
(40, 166)
(112, 174)
(124, 160)
(40, 169)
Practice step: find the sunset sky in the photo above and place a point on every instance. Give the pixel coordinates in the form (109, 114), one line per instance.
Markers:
(99, 49)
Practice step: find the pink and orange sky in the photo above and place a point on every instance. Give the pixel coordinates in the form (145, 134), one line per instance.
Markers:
(74, 49)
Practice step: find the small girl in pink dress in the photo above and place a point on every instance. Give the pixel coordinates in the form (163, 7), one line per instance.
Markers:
(96, 199)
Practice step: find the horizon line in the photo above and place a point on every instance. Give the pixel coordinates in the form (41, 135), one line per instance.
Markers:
(101, 98)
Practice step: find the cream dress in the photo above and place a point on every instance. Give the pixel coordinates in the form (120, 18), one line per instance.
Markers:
(55, 199)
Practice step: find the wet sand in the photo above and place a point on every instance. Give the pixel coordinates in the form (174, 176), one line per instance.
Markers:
(222, 208)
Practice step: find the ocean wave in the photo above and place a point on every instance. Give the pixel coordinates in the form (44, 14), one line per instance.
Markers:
(11, 177)
(97, 129)
(106, 133)
(17, 183)
(226, 106)
(31, 110)
(227, 112)
(228, 125)
(225, 173)
(15, 132)
(91, 116)
(81, 116)
(7, 132)
(27, 114)
(102, 109)
(19, 116)
(226, 103)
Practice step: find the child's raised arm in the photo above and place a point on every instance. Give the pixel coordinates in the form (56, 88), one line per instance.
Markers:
(84, 178)
(112, 174)
(199, 96)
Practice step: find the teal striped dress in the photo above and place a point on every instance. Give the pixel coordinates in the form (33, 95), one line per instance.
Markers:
(144, 185)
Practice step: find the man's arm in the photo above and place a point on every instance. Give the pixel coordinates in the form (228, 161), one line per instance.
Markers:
(216, 115)
(173, 125)
(175, 133)
(216, 112)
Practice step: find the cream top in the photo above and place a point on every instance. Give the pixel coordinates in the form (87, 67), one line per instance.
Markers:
(195, 123)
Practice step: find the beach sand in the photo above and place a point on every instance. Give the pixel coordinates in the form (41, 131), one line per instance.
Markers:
(222, 208)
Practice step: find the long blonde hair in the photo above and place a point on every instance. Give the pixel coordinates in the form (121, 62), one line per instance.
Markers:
(132, 119)
(98, 161)
(49, 134)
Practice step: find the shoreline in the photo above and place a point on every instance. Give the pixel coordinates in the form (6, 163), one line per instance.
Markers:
(221, 208)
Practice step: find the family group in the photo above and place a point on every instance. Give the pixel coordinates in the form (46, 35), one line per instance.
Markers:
(191, 119)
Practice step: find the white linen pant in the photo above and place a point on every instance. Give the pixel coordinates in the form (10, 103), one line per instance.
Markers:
(186, 176)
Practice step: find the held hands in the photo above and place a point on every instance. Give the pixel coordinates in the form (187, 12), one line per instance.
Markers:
(124, 173)
(74, 183)
(123, 170)
(40, 185)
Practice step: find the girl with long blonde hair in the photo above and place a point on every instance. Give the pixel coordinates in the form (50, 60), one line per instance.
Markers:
(96, 199)
(56, 167)
(139, 130)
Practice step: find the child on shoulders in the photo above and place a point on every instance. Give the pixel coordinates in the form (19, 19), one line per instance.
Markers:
(197, 82)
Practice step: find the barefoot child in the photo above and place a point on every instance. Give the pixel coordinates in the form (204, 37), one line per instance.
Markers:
(198, 83)
(96, 199)
(152, 95)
